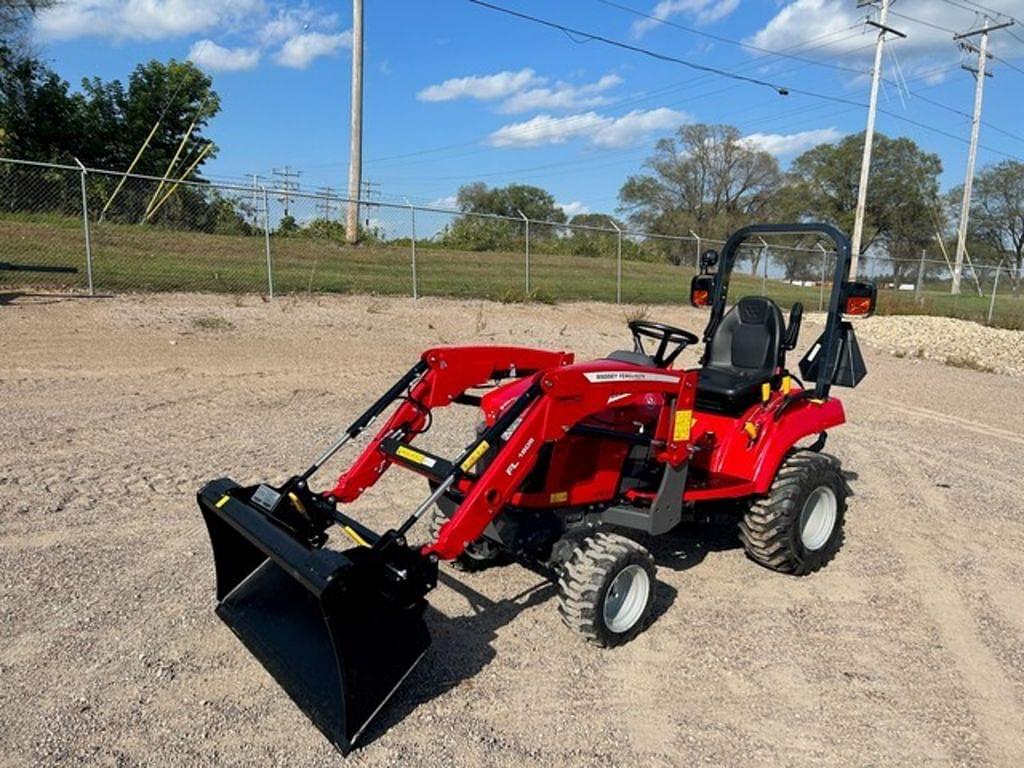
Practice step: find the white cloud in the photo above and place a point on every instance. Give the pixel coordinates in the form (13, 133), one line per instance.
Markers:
(701, 11)
(299, 51)
(791, 143)
(600, 130)
(216, 58)
(482, 87)
(575, 208)
(628, 129)
(142, 19)
(448, 202)
(799, 20)
(563, 96)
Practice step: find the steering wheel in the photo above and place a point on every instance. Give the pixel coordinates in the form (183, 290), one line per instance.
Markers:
(664, 335)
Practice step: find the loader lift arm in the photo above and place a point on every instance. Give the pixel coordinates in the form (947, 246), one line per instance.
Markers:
(553, 403)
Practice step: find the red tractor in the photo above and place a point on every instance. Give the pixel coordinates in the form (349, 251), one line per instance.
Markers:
(569, 460)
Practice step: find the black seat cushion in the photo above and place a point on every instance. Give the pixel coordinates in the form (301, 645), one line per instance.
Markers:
(629, 356)
(745, 352)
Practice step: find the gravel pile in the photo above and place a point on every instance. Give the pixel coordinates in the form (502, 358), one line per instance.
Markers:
(959, 343)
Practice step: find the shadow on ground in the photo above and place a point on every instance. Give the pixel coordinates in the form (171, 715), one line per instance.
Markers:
(463, 646)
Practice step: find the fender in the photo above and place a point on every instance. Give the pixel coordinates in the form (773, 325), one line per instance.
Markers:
(747, 451)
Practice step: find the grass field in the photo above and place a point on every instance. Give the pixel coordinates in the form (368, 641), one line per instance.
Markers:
(48, 251)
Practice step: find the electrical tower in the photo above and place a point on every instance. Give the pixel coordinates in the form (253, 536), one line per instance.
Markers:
(287, 186)
(326, 202)
(979, 90)
(370, 191)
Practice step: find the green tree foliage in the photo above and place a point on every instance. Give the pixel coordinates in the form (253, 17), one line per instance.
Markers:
(104, 126)
(39, 116)
(996, 224)
(479, 233)
(704, 178)
(16, 14)
(602, 240)
(902, 202)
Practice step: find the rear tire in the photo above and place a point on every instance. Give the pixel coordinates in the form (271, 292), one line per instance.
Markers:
(606, 591)
(481, 554)
(798, 527)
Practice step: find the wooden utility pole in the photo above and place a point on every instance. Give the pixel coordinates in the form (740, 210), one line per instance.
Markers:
(869, 134)
(355, 152)
(979, 91)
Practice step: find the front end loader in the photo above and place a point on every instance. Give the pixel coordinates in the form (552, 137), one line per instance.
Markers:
(570, 462)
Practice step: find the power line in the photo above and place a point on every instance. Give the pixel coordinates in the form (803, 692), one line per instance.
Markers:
(731, 41)
(781, 90)
(629, 101)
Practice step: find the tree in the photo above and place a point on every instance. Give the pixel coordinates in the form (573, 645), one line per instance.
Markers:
(16, 14)
(902, 202)
(705, 178)
(481, 233)
(105, 125)
(593, 234)
(39, 118)
(996, 222)
(117, 119)
(535, 203)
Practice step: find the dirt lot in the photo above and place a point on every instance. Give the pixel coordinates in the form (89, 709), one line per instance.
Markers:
(907, 650)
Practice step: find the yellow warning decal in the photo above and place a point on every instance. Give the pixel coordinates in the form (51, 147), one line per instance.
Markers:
(751, 430)
(559, 498)
(766, 392)
(355, 536)
(683, 424)
(414, 456)
(222, 501)
(787, 384)
(474, 457)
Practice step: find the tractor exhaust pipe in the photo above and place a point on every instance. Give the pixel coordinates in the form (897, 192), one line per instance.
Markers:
(339, 631)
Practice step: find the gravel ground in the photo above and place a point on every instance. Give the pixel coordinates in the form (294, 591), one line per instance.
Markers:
(959, 343)
(907, 650)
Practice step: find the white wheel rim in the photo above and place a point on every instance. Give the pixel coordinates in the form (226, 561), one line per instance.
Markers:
(626, 598)
(818, 517)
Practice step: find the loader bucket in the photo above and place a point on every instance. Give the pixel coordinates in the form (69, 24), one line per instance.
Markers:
(318, 620)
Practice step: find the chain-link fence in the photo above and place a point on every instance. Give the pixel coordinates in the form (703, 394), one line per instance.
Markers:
(91, 230)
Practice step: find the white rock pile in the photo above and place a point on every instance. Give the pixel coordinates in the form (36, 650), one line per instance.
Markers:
(955, 342)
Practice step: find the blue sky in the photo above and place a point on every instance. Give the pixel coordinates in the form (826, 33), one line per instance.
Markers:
(456, 93)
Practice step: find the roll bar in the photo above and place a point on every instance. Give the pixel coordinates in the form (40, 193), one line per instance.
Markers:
(831, 339)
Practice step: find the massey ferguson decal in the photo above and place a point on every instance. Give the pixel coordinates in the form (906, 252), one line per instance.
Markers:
(601, 377)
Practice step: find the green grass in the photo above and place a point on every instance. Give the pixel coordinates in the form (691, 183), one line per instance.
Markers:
(143, 258)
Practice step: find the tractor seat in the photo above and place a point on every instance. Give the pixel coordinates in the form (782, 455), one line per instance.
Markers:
(747, 350)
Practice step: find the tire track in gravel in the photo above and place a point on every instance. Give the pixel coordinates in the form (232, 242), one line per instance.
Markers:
(999, 718)
(987, 430)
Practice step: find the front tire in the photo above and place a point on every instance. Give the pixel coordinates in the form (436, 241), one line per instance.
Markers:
(606, 591)
(798, 527)
(480, 554)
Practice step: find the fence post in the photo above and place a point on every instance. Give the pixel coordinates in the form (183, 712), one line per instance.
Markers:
(618, 263)
(764, 272)
(527, 252)
(85, 227)
(821, 284)
(995, 287)
(696, 263)
(920, 277)
(266, 243)
(412, 213)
